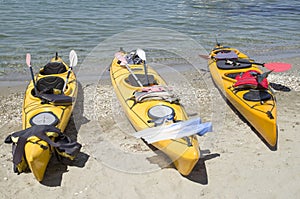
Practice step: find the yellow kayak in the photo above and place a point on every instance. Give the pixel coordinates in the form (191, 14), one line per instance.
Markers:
(144, 111)
(52, 106)
(237, 78)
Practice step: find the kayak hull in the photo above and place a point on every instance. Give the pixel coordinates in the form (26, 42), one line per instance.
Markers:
(37, 151)
(262, 115)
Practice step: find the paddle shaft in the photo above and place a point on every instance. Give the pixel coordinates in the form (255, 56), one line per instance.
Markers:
(134, 76)
(32, 77)
(146, 72)
(122, 59)
(141, 53)
(67, 79)
(247, 62)
(73, 62)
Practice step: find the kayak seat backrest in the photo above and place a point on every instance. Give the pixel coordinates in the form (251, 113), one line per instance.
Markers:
(50, 91)
(257, 95)
(227, 65)
(53, 68)
(50, 83)
(142, 78)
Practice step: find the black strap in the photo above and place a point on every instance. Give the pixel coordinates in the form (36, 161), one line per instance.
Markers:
(18, 153)
(65, 144)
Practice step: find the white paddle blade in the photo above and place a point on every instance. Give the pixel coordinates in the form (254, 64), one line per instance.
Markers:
(73, 58)
(141, 53)
(121, 58)
(28, 59)
(174, 131)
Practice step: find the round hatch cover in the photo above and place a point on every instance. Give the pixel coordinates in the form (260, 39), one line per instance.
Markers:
(44, 118)
(160, 111)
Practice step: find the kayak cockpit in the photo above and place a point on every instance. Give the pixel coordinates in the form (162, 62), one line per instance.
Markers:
(50, 91)
(142, 78)
(226, 64)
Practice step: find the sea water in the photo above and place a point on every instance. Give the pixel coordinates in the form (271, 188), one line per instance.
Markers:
(265, 29)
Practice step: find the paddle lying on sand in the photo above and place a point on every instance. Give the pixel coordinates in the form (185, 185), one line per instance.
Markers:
(73, 62)
(142, 55)
(28, 62)
(121, 58)
(273, 66)
(175, 130)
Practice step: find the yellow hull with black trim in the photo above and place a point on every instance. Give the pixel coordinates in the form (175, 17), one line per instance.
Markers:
(184, 153)
(37, 151)
(261, 115)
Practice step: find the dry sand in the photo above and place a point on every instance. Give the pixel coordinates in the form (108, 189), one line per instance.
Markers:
(235, 163)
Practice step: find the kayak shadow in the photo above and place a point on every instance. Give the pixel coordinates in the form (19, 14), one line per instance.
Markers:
(79, 109)
(199, 173)
(57, 167)
(241, 117)
(279, 87)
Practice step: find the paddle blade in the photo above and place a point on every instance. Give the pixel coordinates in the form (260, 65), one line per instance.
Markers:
(141, 54)
(28, 59)
(261, 77)
(73, 58)
(174, 131)
(121, 58)
(278, 66)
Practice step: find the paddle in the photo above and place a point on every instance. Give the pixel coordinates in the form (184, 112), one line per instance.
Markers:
(120, 57)
(142, 55)
(73, 62)
(273, 66)
(175, 130)
(28, 62)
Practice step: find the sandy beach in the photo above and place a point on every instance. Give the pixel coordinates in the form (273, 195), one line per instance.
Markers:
(234, 162)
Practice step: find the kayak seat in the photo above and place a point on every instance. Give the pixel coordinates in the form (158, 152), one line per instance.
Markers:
(225, 64)
(47, 84)
(257, 95)
(53, 68)
(62, 100)
(50, 89)
(142, 78)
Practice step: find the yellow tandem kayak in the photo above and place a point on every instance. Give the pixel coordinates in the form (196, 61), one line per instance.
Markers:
(47, 110)
(145, 109)
(246, 88)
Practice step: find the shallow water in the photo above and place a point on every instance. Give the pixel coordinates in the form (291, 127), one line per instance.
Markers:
(266, 29)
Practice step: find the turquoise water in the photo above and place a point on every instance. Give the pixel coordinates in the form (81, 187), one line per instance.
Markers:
(44, 27)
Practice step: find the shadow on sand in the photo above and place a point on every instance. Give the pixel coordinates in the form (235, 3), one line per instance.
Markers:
(198, 174)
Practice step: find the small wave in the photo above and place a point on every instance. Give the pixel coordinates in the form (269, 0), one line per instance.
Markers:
(4, 35)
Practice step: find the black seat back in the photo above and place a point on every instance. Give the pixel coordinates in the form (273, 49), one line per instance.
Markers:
(50, 83)
(53, 68)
